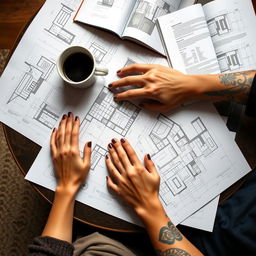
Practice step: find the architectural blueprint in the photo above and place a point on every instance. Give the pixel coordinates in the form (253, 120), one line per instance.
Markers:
(36, 98)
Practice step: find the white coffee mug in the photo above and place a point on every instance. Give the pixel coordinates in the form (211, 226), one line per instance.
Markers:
(77, 67)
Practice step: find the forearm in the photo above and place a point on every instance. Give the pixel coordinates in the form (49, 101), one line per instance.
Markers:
(224, 87)
(165, 237)
(60, 220)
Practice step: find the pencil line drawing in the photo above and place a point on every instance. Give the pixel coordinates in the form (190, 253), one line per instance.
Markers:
(58, 25)
(146, 13)
(33, 78)
(118, 117)
(178, 157)
(97, 154)
(108, 3)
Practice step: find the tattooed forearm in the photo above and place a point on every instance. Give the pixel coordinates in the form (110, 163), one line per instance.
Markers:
(168, 234)
(237, 86)
(173, 252)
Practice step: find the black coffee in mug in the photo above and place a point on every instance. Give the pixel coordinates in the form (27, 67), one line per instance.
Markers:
(78, 66)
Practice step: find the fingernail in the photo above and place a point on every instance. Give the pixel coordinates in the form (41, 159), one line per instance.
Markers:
(106, 156)
(107, 178)
(53, 130)
(110, 145)
(141, 105)
(89, 144)
(148, 156)
(110, 85)
(113, 141)
(64, 117)
(115, 98)
(69, 114)
(118, 71)
(76, 118)
(123, 140)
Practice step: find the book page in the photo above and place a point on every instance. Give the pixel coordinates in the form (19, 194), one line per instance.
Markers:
(232, 26)
(187, 41)
(142, 22)
(107, 14)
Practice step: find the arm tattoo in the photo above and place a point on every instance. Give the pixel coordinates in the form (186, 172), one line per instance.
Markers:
(168, 234)
(237, 84)
(173, 252)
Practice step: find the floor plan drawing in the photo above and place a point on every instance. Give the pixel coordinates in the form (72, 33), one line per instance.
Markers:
(49, 110)
(58, 25)
(183, 163)
(33, 78)
(97, 153)
(118, 117)
(147, 12)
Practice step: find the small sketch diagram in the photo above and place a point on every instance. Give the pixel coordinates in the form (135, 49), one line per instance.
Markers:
(49, 110)
(57, 28)
(119, 117)
(146, 14)
(97, 154)
(219, 25)
(178, 156)
(226, 23)
(33, 79)
(108, 3)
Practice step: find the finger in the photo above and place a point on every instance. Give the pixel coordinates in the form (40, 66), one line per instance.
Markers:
(115, 158)
(130, 152)
(154, 106)
(87, 153)
(53, 143)
(75, 133)
(121, 153)
(129, 80)
(61, 132)
(111, 184)
(149, 164)
(68, 129)
(132, 94)
(135, 68)
(114, 173)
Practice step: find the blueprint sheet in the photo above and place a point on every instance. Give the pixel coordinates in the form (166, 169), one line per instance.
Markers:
(33, 98)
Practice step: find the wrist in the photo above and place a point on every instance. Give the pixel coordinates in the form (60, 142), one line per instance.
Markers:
(67, 191)
(151, 211)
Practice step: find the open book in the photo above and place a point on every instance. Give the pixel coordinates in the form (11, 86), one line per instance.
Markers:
(129, 19)
(218, 37)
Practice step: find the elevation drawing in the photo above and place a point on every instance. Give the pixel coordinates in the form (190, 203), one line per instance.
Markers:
(145, 16)
(178, 157)
(33, 78)
(58, 25)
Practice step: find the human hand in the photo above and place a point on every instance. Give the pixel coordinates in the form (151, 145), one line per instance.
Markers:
(167, 87)
(70, 169)
(135, 183)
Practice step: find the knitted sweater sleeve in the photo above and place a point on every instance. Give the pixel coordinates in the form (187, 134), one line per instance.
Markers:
(49, 246)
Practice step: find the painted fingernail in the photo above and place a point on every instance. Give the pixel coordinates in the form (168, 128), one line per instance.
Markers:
(76, 118)
(115, 98)
(110, 145)
(110, 85)
(106, 156)
(107, 178)
(69, 114)
(123, 140)
(141, 105)
(113, 141)
(118, 71)
(89, 144)
(148, 156)
(64, 117)
(53, 130)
